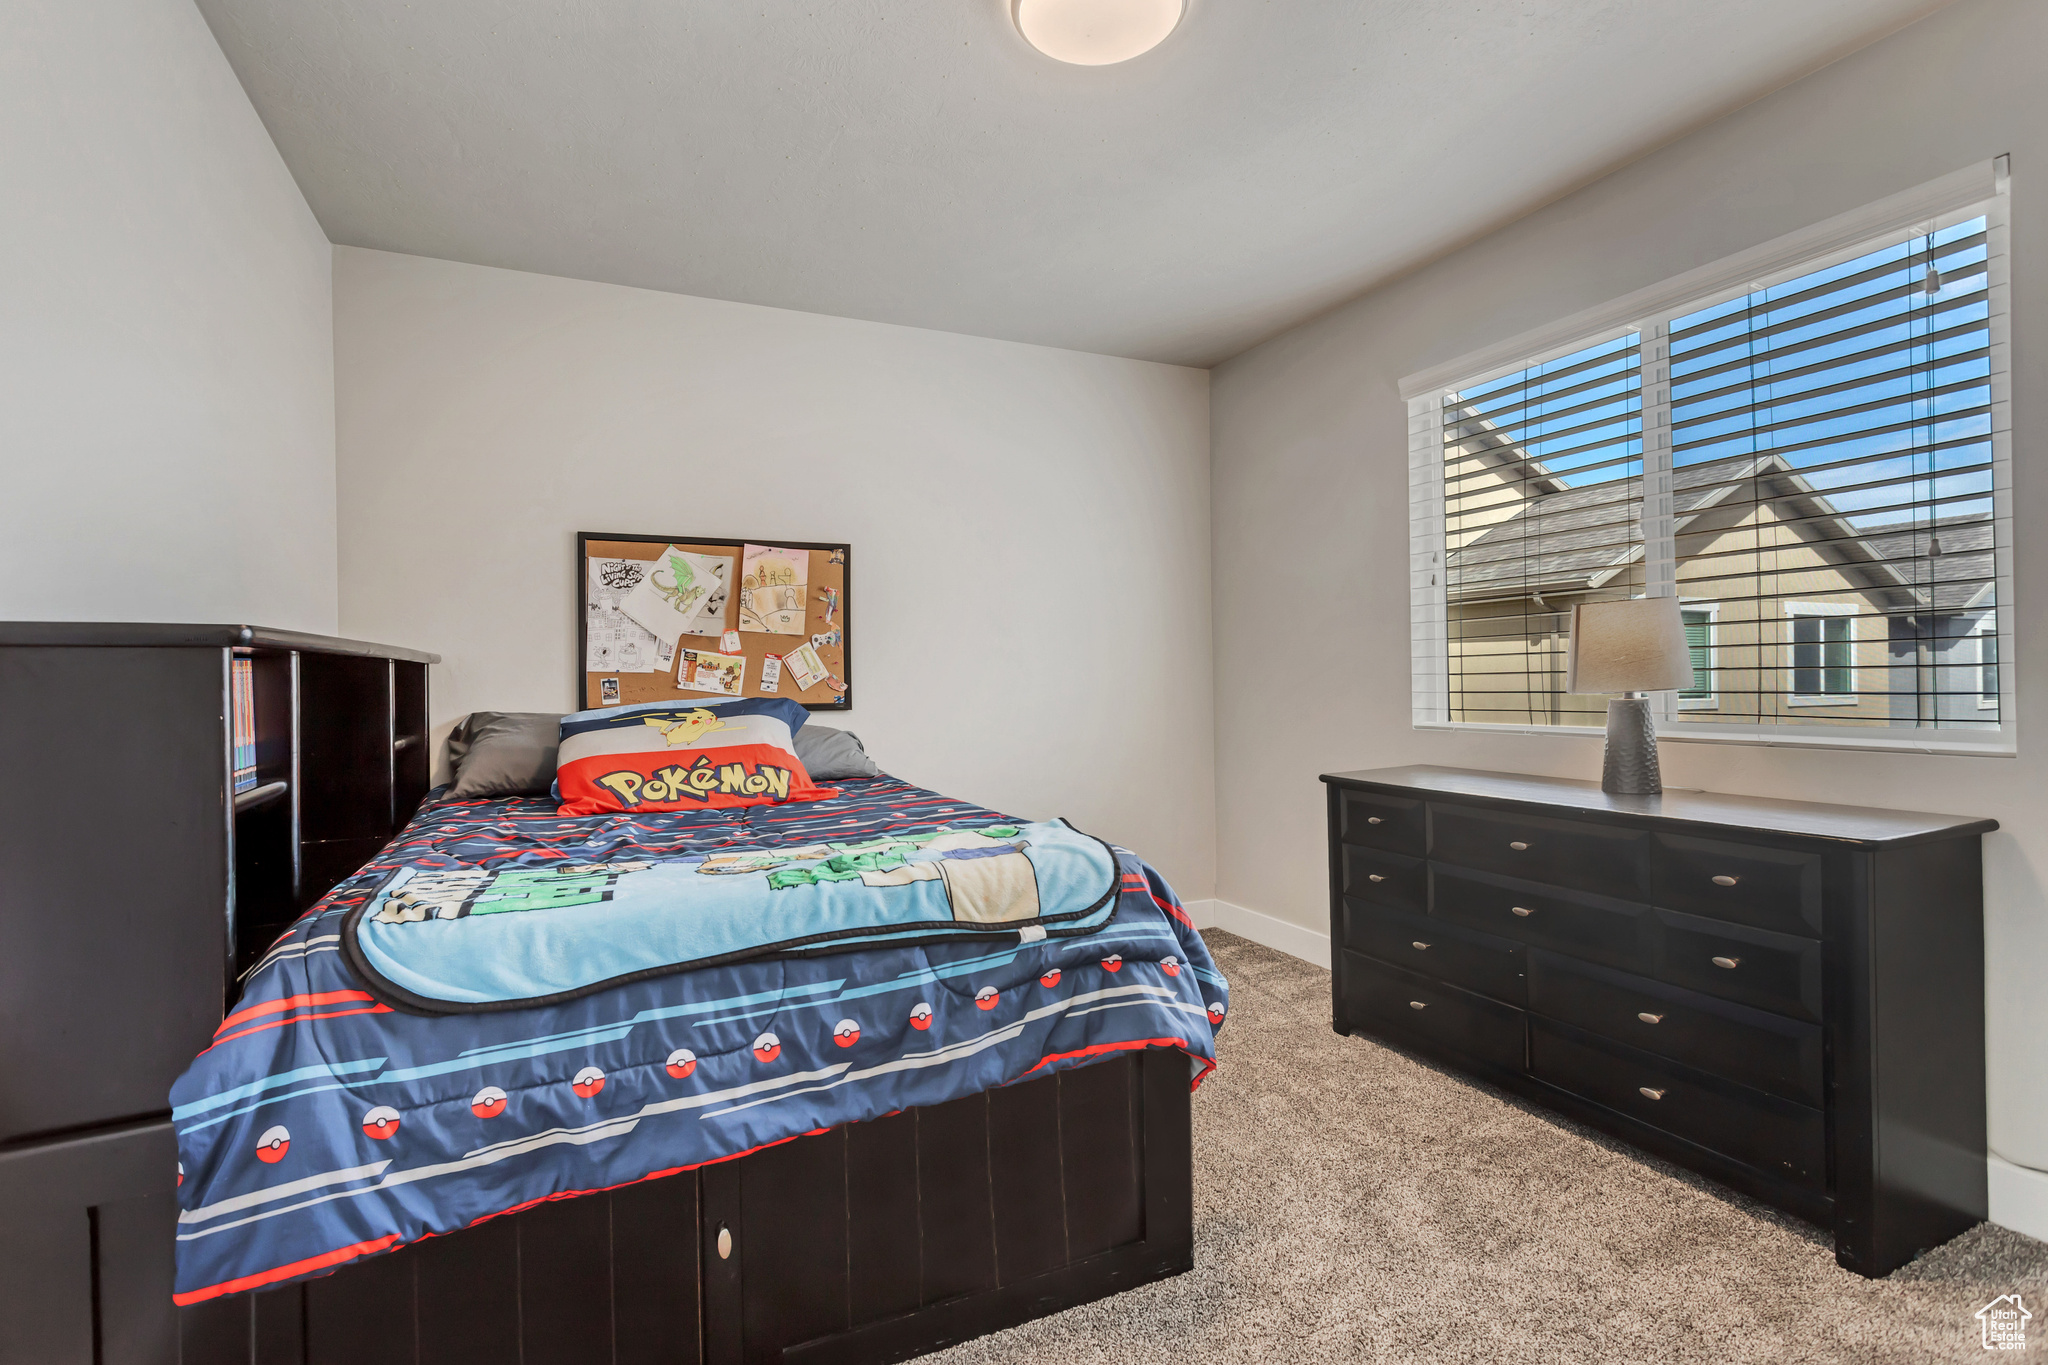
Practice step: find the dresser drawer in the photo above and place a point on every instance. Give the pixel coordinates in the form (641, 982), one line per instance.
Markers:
(1428, 945)
(1767, 888)
(1592, 927)
(1751, 1047)
(1786, 1140)
(1775, 972)
(1392, 823)
(1596, 858)
(1386, 878)
(1405, 1003)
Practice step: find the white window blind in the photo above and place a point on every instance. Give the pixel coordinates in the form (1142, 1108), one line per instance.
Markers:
(1813, 459)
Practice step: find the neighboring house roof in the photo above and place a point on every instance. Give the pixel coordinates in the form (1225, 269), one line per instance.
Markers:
(1959, 578)
(1483, 440)
(1579, 538)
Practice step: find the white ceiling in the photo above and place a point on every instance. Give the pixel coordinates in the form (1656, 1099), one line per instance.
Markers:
(913, 161)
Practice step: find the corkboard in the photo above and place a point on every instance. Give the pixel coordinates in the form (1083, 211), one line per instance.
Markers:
(830, 567)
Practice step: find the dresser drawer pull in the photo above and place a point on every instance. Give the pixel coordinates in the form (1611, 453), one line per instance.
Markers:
(1518, 846)
(1521, 910)
(1725, 880)
(1728, 963)
(1649, 1092)
(1374, 877)
(1419, 946)
(1650, 1018)
(1374, 820)
(1417, 1005)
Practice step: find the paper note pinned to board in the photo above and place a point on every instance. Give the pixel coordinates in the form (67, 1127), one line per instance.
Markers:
(773, 583)
(673, 595)
(700, 670)
(804, 666)
(771, 673)
(613, 641)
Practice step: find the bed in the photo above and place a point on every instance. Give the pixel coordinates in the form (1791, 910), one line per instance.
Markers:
(857, 1154)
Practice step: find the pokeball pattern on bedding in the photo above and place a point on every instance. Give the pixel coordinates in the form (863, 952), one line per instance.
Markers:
(323, 1126)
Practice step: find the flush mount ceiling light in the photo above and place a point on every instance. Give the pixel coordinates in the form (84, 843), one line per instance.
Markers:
(1096, 32)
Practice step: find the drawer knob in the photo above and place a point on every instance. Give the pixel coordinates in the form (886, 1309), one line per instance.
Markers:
(724, 1243)
(1374, 820)
(1650, 1018)
(1522, 910)
(1417, 1005)
(1649, 1092)
(1728, 963)
(1374, 877)
(1725, 880)
(1518, 846)
(1419, 946)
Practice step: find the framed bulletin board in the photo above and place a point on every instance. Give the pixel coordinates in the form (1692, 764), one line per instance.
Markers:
(787, 600)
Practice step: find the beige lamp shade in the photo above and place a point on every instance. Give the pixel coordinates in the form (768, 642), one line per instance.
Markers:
(1633, 646)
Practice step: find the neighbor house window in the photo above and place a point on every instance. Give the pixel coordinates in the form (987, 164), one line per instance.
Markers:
(1986, 637)
(1806, 445)
(1699, 643)
(1823, 654)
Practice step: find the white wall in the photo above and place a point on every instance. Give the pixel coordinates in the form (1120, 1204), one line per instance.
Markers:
(166, 339)
(1311, 485)
(1030, 527)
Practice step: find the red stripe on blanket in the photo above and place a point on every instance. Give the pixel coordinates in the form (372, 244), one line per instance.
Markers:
(299, 1019)
(290, 1002)
(1175, 911)
(1132, 1045)
(326, 1260)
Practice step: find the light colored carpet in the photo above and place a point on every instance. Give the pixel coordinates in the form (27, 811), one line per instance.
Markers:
(1354, 1203)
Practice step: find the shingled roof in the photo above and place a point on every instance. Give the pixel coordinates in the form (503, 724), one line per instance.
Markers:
(1579, 538)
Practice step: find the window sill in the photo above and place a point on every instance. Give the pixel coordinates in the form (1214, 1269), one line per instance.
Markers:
(1822, 701)
(1994, 745)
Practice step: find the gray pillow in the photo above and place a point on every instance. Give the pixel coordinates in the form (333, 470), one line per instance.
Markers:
(829, 754)
(504, 753)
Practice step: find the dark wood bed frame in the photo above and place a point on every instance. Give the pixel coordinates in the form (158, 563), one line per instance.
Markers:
(870, 1242)
(866, 1243)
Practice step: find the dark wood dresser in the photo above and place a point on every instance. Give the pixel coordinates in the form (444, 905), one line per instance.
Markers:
(1784, 996)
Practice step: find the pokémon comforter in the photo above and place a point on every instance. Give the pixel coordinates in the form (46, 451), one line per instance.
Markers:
(341, 1113)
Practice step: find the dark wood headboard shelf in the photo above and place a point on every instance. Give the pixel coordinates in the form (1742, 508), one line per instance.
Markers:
(141, 882)
(170, 635)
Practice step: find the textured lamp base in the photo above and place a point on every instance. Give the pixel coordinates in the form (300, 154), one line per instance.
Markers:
(1629, 767)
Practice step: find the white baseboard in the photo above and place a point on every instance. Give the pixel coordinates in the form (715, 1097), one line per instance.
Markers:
(1310, 945)
(2019, 1198)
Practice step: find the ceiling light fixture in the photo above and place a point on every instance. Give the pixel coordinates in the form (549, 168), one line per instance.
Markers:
(1096, 32)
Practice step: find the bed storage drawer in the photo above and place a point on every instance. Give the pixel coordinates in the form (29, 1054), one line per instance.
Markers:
(1773, 1135)
(1435, 947)
(1586, 857)
(1775, 972)
(1773, 1054)
(1391, 823)
(1585, 926)
(1386, 879)
(1405, 1003)
(1766, 888)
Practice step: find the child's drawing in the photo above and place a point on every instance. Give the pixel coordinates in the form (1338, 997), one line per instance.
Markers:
(772, 588)
(674, 592)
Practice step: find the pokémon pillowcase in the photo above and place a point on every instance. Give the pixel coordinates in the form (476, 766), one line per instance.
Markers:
(673, 756)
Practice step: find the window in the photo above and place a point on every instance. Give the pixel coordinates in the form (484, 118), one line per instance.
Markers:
(1823, 654)
(1699, 642)
(1986, 637)
(1807, 446)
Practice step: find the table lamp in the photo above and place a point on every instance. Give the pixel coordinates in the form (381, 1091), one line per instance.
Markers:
(1631, 647)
